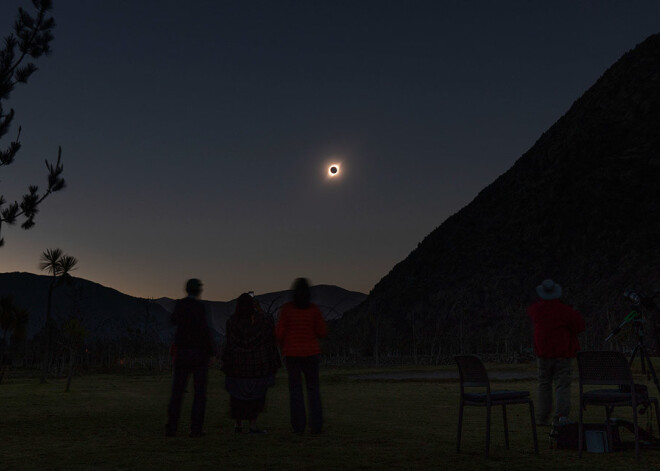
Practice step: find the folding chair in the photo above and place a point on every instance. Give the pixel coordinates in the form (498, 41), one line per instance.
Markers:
(599, 368)
(473, 375)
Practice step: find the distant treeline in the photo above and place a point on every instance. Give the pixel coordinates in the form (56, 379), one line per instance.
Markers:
(351, 341)
(134, 349)
(432, 339)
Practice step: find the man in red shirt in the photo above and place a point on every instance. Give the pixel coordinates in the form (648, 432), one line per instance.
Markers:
(556, 326)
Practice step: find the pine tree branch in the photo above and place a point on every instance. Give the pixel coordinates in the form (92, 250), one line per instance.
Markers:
(31, 200)
(29, 40)
(32, 38)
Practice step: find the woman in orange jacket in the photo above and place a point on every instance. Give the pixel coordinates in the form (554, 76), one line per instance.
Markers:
(299, 326)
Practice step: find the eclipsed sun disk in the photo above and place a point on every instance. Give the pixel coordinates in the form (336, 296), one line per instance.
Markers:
(333, 171)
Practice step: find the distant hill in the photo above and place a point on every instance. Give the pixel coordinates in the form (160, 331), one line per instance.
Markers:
(332, 300)
(582, 206)
(107, 313)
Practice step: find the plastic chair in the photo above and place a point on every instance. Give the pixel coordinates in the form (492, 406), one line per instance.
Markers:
(474, 375)
(600, 368)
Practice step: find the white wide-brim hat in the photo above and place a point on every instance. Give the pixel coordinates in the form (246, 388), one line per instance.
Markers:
(549, 290)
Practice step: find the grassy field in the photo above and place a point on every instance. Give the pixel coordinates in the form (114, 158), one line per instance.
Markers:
(117, 422)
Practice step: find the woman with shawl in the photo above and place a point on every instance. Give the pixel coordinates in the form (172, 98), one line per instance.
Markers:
(249, 360)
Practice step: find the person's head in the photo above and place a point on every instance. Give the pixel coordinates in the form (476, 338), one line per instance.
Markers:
(194, 287)
(548, 290)
(301, 295)
(244, 305)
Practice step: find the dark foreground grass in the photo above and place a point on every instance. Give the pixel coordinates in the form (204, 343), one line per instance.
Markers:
(117, 422)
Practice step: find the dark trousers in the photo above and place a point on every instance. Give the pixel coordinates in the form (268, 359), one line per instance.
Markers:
(181, 374)
(309, 366)
(557, 371)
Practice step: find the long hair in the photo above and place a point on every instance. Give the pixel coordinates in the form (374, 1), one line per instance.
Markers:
(301, 295)
(244, 306)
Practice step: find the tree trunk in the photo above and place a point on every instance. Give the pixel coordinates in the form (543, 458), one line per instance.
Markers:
(46, 359)
(71, 361)
(60, 366)
(3, 366)
(376, 344)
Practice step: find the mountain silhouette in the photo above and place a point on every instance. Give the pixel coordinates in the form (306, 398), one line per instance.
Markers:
(332, 300)
(581, 206)
(107, 313)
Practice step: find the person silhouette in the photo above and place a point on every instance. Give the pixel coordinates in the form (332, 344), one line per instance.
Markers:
(194, 349)
(249, 360)
(556, 326)
(299, 326)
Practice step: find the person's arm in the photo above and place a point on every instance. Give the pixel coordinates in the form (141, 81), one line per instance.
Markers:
(580, 325)
(175, 317)
(280, 327)
(576, 321)
(208, 335)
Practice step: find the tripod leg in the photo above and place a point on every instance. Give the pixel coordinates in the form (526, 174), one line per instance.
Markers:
(632, 355)
(657, 414)
(643, 356)
(653, 374)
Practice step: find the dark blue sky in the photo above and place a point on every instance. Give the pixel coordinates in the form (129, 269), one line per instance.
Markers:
(196, 135)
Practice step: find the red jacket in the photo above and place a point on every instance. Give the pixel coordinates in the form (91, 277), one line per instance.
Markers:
(298, 330)
(556, 326)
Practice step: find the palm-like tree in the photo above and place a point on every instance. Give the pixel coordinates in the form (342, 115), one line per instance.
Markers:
(59, 265)
(75, 334)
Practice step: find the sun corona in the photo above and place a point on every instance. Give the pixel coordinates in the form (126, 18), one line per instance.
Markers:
(333, 170)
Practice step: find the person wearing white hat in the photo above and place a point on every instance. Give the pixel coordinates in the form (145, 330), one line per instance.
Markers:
(556, 325)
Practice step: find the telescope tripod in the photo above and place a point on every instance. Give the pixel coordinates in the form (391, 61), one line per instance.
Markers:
(647, 365)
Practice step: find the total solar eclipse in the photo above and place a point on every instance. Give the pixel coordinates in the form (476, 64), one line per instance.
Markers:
(333, 171)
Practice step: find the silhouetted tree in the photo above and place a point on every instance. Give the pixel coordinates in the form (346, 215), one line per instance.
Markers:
(59, 266)
(12, 320)
(74, 336)
(31, 39)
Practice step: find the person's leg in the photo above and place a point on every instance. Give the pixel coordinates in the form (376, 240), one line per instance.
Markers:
(296, 398)
(174, 409)
(544, 397)
(257, 407)
(200, 376)
(563, 387)
(254, 429)
(311, 370)
(236, 413)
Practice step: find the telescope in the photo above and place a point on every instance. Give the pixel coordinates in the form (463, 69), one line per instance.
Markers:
(632, 296)
(632, 316)
(638, 299)
(635, 318)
